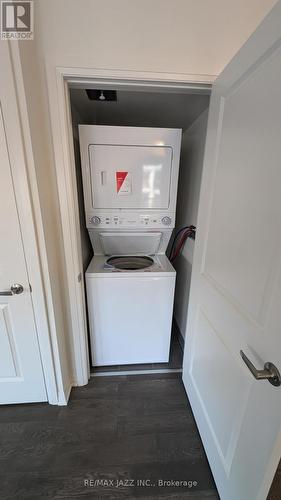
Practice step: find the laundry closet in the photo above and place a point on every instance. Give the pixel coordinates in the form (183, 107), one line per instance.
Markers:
(138, 158)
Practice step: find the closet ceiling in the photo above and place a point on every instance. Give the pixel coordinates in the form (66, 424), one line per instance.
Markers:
(140, 109)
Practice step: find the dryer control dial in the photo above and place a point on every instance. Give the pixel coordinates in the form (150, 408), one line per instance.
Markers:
(166, 221)
(95, 220)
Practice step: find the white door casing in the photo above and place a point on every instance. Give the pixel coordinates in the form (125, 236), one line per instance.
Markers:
(236, 281)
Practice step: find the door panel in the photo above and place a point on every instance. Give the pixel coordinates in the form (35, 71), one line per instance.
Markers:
(21, 373)
(135, 176)
(216, 386)
(249, 157)
(9, 363)
(236, 281)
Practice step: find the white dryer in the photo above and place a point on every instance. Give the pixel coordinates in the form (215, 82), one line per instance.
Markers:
(130, 179)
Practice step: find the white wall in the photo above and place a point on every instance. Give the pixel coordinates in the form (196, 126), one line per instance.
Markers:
(196, 37)
(193, 144)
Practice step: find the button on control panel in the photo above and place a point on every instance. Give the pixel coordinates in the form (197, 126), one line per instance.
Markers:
(166, 221)
(95, 220)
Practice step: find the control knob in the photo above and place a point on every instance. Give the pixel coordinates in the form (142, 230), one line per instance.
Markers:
(166, 221)
(95, 220)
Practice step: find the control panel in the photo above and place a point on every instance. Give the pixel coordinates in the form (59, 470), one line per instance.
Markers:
(131, 220)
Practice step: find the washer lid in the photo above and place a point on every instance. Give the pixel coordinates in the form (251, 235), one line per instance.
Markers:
(99, 269)
(130, 243)
(130, 262)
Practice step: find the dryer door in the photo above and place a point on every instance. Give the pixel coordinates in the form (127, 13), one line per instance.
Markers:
(132, 177)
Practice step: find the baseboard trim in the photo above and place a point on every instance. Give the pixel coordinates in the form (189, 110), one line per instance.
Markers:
(135, 372)
(64, 398)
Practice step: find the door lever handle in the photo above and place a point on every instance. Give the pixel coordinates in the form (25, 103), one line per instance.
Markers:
(269, 372)
(6, 293)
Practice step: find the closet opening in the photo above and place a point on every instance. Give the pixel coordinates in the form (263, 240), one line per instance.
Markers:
(137, 256)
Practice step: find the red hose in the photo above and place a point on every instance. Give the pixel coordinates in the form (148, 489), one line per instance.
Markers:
(181, 243)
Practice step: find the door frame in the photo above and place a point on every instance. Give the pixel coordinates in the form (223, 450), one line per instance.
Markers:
(29, 213)
(59, 79)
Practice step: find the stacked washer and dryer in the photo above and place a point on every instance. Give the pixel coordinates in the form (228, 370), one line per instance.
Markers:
(130, 177)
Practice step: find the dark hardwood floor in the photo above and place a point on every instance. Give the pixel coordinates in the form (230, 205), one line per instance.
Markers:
(119, 430)
(275, 490)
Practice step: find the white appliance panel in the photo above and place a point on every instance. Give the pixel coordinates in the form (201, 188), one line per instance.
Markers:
(130, 177)
(130, 318)
(104, 245)
(130, 243)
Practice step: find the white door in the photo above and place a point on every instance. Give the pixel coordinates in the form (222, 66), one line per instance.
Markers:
(235, 300)
(21, 373)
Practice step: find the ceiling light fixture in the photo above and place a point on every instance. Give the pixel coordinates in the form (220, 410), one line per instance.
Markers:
(101, 95)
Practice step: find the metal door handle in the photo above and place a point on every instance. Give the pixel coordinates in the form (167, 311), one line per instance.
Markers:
(270, 372)
(16, 289)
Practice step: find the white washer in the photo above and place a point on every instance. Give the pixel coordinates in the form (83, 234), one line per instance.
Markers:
(130, 311)
(130, 177)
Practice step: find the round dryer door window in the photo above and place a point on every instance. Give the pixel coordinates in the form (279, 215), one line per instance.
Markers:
(130, 262)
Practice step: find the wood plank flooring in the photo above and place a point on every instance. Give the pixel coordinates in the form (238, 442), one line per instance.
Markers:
(275, 490)
(117, 429)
